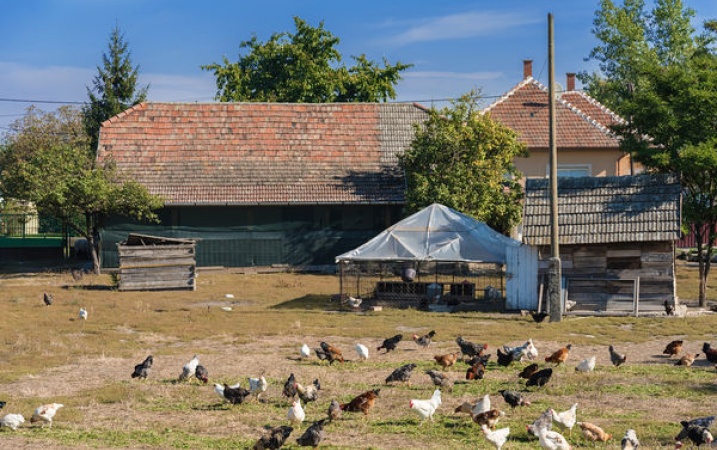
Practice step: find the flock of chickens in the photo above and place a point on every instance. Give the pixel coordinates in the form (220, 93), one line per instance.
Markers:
(481, 411)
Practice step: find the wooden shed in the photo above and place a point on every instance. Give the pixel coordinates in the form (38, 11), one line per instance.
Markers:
(617, 240)
(156, 263)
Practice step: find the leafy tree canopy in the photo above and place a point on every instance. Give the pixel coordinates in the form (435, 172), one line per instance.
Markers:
(302, 67)
(464, 160)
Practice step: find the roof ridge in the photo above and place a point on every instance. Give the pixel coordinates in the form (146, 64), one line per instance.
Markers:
(618, 118)
(510, 93)
(130, 110)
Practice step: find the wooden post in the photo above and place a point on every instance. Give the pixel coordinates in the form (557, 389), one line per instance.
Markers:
(554, 272)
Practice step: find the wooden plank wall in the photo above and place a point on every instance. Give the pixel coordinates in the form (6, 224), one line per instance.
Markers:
(157, 267)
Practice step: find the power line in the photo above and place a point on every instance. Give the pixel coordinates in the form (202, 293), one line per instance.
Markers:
(57, 102)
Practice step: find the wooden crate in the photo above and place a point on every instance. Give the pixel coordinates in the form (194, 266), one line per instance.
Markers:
(156, 263)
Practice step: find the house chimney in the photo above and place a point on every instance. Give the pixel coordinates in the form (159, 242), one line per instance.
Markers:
(527, 68)
(570, 81)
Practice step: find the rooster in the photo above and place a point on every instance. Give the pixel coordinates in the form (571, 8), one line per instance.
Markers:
(498, 437)
(514, 398)
(45, 413)
(362, 403)
(687, 359)
(566, 419)
(391, 343)
(559, 356)
(630, 441)
(274, 438)
(334, 411)
(540, 378)
(142, 370)
(425, 340)
(289, 390)
(440, 379)
(308, 393)
(402, 374)
(189, 369)
(235, 395)
(201, 373)
(489, 418)
(470, 349)
(257, 386)
(617, 359)
(12, 421)
(528, 371)
(586, 365)
(296, 413)
(426, 408)
(710, 353)
(593, 432)
(313, 435)
(673, 348)
(361, 351)
(447, 360)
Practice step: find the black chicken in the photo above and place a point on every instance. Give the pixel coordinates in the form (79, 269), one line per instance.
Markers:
(514, 398)
(47, 298)
(274, 438)
(616, 358)
(402, 374)
(710, 352)
(2, 404)
(390, 343)
(504, 359)
(539, 378)
(669, 308)
(313, 435)
(528, 371)
(478, 359)
(289, 389)
(201, 373)
(142, 370)
(237, 395)
(470, 349)
(538, 316)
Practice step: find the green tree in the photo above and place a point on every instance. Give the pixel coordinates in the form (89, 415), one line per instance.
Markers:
(658, 73)
(464, 160)
(57, 173)
(302, 67)
(114, 88)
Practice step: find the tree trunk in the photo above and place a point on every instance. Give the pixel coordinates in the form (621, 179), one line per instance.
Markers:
(702, 293)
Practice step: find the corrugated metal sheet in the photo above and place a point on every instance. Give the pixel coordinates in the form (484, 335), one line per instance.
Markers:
(522, 278)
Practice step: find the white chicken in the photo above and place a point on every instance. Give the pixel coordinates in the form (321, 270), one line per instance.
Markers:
(498, 437)
(83, 314)
(296, 414)
(586, 365)
(305, 351)
(219, 389)
(354, 302)
(45, 413)
(552, 440)
(426, 408)
(12, 421)
(189, 369)
(566, 419)
(523, 352)
(361, 351)
(257, 386)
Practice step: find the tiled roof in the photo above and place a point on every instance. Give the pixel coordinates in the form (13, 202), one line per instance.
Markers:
(263, 153)
(581, 122)
(599, 210)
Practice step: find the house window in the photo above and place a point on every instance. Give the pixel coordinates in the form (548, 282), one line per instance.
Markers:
(571, 170)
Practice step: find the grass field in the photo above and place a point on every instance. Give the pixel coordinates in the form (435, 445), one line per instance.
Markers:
(49, 355)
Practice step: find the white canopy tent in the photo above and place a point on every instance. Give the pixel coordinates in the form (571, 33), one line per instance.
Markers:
(441, 234)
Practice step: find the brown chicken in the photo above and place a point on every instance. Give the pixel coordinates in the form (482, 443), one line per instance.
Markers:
(489, 418)
(673, 349)
(559, 356)
(446, 360)
(475, 372)
(687, 359)
(593, 432)
(329, 353)
(710, 352)
(363, 403)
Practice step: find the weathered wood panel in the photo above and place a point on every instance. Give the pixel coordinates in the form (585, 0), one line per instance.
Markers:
(159, 266)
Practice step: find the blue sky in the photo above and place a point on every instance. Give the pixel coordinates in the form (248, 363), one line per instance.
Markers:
(49, 49)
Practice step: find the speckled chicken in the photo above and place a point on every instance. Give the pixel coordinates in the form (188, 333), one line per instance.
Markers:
(470, 349)
(273, 438)
(334, 411)
(309, 393)
(630, 441)
(201, 373)
(617, 359)
(313, 435)
(142, 370)
(440, 379)
(514, 398)
(402, 374)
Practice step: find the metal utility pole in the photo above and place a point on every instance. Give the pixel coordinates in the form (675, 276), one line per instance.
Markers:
(554, 272)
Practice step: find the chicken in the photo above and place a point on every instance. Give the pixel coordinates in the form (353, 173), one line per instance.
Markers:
(545, 420)
(289, 389)
(617, 359)
(296, 414)
(697, 434)
(12, 421)
(673, 348)
(586, 365)
(552, 440)
(514, 398)
(329, 353)
(361, 351)
(390, 343)
(362, 403)
(504, 359)
(669, 308)
(274, 438)
(189, 369)
(489, 418)
(2, 404)
(710, 353)
(47, 298)
(498, 437)
(219, 389)
(235, 395)
(539, 378)
(566, 419)
(334, 411)
(446, 361)
(304, 351)
(142, 370)
(402, 374)
(521, 352)
(559, 356)
(354, 302)
(470, 349)
(481, 405)
(425, 340)
(257, 386)
(687, 359)
(201, 373)
(478, 359)
(475, 372)
(440, 379)
(308, 393)
(426, 408)
(538, 316)
(83, 314)
(528, 371)
(593, 432)
(45, 413)
(629, 441)
(313, 435)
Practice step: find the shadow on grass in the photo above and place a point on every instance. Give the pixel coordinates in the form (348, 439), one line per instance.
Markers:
(310, 302)
(89, 287)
